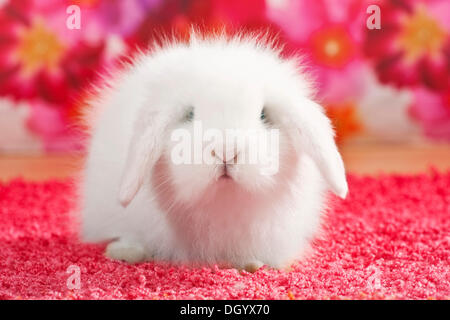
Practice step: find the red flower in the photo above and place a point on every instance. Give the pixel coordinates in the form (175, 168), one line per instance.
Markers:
(413, 45)
(177, 16)
(36, 63)
(332, 47)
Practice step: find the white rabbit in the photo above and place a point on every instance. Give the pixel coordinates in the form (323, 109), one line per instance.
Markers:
(147, 207)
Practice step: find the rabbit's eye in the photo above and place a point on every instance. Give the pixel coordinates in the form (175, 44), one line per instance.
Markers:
(189, 114)
(263, 115)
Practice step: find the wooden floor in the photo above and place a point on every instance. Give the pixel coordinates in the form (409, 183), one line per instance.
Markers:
(361, 159)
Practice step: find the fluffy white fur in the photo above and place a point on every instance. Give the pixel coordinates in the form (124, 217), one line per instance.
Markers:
(149, 208)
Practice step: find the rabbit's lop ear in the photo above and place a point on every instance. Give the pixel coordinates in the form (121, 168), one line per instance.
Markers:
(145, 149)
(316, 138)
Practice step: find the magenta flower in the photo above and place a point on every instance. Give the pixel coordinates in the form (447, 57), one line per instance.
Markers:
(432, 110)
(413, 45)
(329, 33)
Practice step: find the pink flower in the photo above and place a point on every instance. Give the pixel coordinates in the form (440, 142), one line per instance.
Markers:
(329, 33)
(51, 125)
(37, 63)
(432, 110)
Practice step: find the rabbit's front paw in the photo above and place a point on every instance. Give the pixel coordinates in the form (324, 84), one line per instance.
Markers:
(125, 250)
(251, 266)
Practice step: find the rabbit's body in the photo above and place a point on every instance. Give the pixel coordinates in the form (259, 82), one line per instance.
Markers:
(187, 213)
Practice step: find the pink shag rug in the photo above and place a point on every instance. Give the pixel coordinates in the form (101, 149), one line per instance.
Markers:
(389, 240)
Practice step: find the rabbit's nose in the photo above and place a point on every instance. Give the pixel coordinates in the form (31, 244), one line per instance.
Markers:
(226, 157)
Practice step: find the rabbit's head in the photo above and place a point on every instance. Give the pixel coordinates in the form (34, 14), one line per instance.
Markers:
(222, 115)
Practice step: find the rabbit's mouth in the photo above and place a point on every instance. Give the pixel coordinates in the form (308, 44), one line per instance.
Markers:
(224, 174)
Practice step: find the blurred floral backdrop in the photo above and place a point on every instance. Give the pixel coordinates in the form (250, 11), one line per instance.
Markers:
(388, 84)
